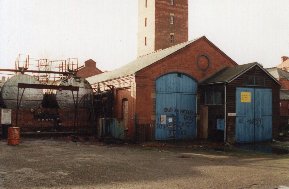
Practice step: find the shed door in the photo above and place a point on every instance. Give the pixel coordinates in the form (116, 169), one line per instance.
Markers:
(125, 113)
(175, 107)
(254, 115)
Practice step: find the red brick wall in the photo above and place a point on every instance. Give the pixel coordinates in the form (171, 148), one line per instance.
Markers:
(284, 83)
(28, 123)
(284, 107)
(122, 94)
(88, 70)
(183, 61)
(163, 26)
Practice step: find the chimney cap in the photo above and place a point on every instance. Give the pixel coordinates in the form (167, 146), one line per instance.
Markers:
(284, 58)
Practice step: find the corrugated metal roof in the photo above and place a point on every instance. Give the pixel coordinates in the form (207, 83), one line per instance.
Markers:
(284, 94)
(278, 73)
(228, 74)
(138, 64)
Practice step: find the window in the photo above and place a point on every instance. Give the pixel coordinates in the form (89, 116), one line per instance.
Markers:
(146, 4)
(172, 37)
(145, 41)
(172, 2)
(171, 18)
(214, 96)
(254, 80)
(146, 22)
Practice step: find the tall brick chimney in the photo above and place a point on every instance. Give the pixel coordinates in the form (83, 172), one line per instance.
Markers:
(161, 24)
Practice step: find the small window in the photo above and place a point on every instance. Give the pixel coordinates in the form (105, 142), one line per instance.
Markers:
(172, 2)
(145, 41)
(146, 22)
(254, 80)
(146, 4)
(214, 96)
(172, 37)
(171, 18)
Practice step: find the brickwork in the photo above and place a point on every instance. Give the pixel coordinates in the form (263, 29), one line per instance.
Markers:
(158, 21)
(164, 28)
(29, 123)
(88, 70)
(284, 83)
(121, 95)
(183, 61)
(284, 108)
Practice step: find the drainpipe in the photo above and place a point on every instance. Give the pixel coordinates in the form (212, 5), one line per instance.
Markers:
(196, 118)
(225, 117)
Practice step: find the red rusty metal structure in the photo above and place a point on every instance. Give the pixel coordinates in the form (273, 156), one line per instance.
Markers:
(53, 87)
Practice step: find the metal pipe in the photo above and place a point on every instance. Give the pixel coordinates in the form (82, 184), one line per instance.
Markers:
(33, 71)
(17, 107)
(196, 113)
(225, 117)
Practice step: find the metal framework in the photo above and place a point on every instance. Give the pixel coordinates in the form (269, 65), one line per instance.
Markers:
(120, 82)
(53, 87)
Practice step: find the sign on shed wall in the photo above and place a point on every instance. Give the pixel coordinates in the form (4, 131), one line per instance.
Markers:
(246, 97)
(6, 116)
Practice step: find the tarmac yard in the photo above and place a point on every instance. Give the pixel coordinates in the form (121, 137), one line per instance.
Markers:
(47, 164)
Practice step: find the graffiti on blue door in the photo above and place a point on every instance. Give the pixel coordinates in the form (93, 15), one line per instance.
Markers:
(254, 115)
(175, 107)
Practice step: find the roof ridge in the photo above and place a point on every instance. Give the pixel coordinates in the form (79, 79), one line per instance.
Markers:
(174, 46)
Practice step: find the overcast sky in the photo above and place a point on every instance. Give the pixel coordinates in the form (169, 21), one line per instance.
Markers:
(106, 30)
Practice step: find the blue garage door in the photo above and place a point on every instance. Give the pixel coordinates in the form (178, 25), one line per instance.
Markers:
(254, 115)
(175, 107)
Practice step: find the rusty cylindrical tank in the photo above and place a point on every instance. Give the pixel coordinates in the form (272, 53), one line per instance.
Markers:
(31, 97)
(65, 98)
(13, 135)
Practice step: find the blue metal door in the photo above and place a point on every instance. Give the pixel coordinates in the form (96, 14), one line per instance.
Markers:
(175, 107)
(254, 115)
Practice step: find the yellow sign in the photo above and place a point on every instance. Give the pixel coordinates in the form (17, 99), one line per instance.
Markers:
(246, 97)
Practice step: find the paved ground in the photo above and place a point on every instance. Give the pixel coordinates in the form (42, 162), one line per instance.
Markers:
(69, 165)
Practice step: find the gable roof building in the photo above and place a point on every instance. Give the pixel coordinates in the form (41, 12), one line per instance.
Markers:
(147, 60)
(229, 74)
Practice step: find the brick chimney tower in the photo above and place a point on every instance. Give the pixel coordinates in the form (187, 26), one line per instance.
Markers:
(161, 24)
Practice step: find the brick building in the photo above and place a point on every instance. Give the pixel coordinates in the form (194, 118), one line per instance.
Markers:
(89, 69)
(284, 65)
(136, 95)
(159, 95)
(161, 24)
(282, 75)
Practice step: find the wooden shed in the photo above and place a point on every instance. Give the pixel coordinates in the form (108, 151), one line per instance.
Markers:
(239, 105)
